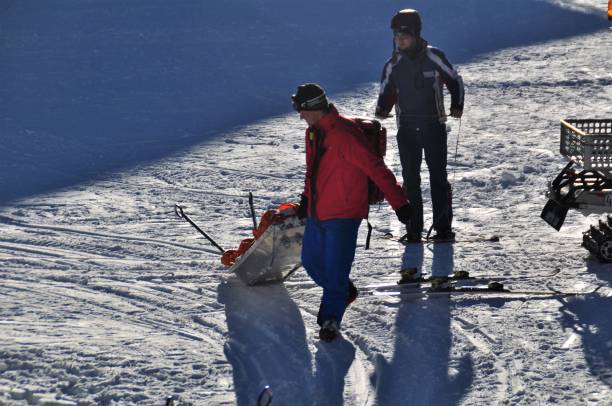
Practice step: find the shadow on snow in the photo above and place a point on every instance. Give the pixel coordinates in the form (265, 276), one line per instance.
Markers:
(422, 371)
(267, 345)
(594, 328)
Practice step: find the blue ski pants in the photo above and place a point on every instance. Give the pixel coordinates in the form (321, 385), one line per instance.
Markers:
(411, 143)
(328, 250)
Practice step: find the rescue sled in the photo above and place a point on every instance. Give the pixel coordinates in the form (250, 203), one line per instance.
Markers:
(274, 252)
(585, 183)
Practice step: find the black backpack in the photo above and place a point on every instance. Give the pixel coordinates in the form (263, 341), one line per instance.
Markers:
(376, 137)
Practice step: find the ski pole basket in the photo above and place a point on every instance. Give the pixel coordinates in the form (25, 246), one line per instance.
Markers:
(588, 142)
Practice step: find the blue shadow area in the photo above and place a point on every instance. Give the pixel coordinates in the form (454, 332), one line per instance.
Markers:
(594, 328)
(96, 86)
(266, 343)
(419, 372)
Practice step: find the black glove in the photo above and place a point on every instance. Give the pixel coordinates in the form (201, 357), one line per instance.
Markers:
(404, 213)
(302, 211)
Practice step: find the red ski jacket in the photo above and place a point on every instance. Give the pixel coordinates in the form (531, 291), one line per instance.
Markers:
(338, 165)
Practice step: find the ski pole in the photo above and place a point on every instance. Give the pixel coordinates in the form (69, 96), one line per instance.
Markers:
(445, 212)
(252, 211)
(181, 214)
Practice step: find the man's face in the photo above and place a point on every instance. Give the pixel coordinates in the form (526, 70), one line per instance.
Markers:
(404, 41)
(311, 117)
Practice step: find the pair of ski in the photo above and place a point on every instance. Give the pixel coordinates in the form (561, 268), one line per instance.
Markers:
(464, 239)
(461, 283)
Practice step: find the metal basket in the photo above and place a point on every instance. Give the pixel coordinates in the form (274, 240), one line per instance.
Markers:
(588, 142)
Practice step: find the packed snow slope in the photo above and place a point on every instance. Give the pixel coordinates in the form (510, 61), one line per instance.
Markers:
(95, 86)
(112, 112)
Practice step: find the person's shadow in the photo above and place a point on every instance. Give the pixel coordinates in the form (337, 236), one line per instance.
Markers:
(420, 372)
(333, 361)
(267, 345)
(589, 318)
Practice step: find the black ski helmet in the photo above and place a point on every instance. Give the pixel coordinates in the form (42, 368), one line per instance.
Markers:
(408, 21)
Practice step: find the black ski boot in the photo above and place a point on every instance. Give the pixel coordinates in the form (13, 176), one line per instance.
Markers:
(409, 275)
(440, 283)
(329, 330)
(444, 236)
(410, 237)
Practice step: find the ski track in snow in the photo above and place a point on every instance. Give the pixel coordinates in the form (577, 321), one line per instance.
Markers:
(105, 296)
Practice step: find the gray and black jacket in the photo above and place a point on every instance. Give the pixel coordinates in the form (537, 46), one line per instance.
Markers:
(412, 81)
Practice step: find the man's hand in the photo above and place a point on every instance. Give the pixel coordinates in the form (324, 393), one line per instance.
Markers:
(456, 112)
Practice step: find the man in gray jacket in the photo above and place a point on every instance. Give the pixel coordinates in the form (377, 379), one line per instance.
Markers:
(412, 81)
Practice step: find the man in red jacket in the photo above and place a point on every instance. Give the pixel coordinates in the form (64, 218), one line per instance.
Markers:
(335, 200)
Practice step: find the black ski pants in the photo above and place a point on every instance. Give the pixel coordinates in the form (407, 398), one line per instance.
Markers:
(411, 143)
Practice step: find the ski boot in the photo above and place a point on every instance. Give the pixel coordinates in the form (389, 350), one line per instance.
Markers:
(444, 236)
(409, 275)
(329, 330)
(410, 237)
(440, 283)
(458, 275)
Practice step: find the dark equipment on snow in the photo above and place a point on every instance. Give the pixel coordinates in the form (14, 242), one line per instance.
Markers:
(267, 391)
(181, 214)
(598, 240)
(587, 143)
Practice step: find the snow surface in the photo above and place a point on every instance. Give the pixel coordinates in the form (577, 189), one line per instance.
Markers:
(112, 112)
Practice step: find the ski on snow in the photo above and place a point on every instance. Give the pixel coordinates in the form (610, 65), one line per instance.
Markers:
(459, 278)
(461, 283)
(418, 293)
(465, 240)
